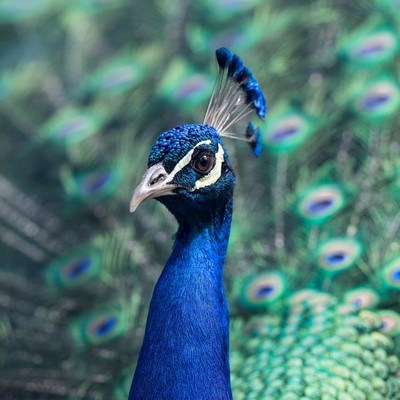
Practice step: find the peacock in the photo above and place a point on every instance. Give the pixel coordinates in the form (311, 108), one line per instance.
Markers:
(186, 343)
(312, 272)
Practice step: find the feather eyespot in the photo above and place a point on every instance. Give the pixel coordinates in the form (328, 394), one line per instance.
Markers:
(103, 325)
(390, 274)
(390, 322)
(319, 203)
(90, 185)
(71, 125)
(262, 290)
(362, 297)
(287, 130)
(372, 48)
(78, 268)
(204, 162)
(380, 99)
(96, 181)
(74, 269)
(338, 254)
(99, 327)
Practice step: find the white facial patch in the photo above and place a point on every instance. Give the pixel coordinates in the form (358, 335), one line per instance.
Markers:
(211, 177)
(215, 173)
(185, 160)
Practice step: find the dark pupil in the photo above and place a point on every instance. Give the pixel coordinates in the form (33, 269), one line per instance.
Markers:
(204, 163)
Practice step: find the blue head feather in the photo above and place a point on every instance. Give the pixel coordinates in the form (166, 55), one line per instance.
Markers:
(224, 57)
(254, 93)
(172, 145)
(236, 68)
(200, 204)
(243, 76)
(254, 139)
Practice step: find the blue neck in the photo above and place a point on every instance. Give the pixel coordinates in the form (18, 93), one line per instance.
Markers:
(186, 343)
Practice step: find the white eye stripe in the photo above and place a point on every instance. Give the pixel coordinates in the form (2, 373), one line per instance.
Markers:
(185, 160)
(211, 177)
(215, 173)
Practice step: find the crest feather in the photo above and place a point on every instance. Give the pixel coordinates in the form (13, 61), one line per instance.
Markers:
(236, 94)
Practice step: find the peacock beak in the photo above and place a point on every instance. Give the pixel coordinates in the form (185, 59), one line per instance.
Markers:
(155, 183)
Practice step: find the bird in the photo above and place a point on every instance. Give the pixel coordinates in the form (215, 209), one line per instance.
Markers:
(186, 344)
(311, 274)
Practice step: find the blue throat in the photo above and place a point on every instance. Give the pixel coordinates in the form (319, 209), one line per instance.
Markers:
(186, 344)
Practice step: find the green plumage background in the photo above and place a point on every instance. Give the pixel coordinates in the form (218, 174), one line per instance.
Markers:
(86, 86)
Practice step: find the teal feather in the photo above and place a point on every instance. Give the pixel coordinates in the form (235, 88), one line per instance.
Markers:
(312, 273)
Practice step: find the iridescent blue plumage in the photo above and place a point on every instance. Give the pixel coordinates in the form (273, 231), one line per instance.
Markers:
(243, 76)
(185, 352)
(185, 349)
(236, 68)
(224, 57)
(172, 145)
(253, 91)
(254, 137)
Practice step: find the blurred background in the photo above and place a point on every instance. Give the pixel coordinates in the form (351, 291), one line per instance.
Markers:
(86, 86)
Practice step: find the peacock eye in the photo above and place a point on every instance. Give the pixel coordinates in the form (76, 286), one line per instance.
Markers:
(204, 162)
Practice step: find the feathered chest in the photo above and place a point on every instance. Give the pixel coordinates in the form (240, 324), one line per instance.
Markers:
(186, 345)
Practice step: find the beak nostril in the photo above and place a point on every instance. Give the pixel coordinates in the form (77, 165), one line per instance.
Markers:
(157, 178)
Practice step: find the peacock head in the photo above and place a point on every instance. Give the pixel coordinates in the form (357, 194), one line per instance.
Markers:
(188, 168)
(188, 171)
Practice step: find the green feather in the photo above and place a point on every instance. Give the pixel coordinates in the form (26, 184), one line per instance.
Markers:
(312, 273)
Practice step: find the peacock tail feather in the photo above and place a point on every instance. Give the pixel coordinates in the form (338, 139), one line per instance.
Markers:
(313, 267)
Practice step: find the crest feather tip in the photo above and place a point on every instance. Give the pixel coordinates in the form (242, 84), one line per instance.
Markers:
(253, 137)
(224, 57)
